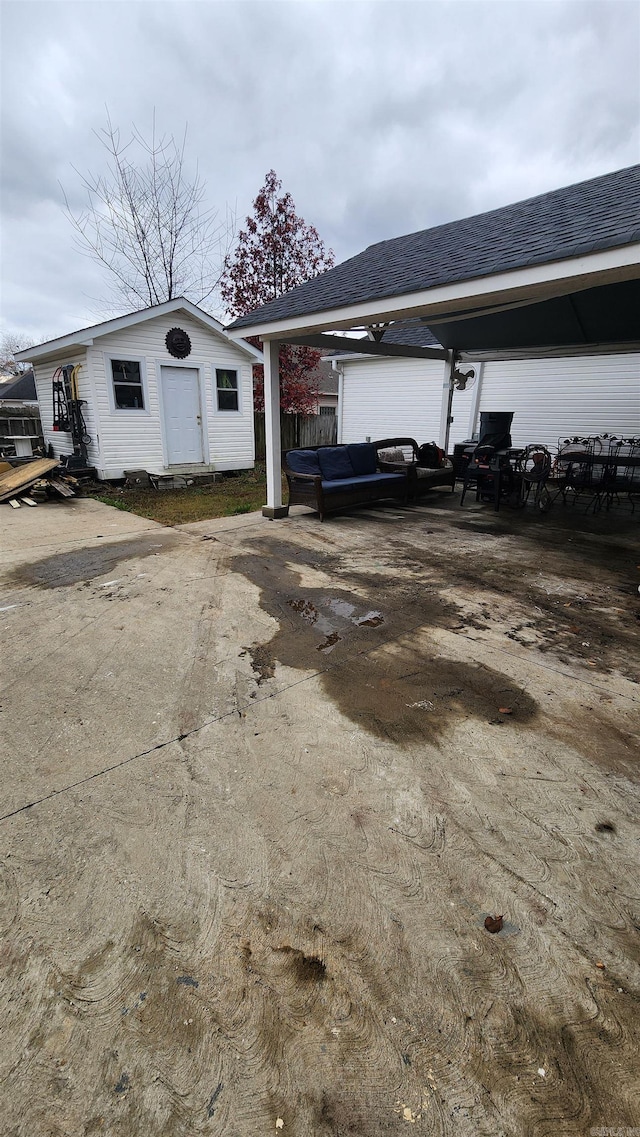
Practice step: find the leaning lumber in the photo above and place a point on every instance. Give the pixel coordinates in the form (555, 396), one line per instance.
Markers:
(22, 477)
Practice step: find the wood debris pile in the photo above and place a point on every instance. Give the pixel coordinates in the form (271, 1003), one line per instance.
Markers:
(34, 482)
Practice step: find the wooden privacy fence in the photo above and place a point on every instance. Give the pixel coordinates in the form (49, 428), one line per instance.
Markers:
(298, 430)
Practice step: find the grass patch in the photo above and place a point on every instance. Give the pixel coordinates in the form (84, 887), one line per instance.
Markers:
(227, 498)
(116, 502)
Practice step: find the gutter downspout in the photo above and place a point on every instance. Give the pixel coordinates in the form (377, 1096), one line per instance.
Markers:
(339, 367)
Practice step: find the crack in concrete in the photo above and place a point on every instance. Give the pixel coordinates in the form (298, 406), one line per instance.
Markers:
(274, 695)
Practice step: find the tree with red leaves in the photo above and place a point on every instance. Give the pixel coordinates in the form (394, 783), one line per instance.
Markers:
(275, 252)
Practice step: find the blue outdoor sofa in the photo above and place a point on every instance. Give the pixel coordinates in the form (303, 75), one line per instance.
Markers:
(328, 478)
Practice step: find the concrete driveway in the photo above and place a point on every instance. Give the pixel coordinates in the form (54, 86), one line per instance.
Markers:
(262, 784)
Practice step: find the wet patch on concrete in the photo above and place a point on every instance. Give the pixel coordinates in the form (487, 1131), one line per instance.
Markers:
(405, 696)
(577, 600)
(262, 661)
(331, 610)
(587, 540)
(79, 565)
(378, 674)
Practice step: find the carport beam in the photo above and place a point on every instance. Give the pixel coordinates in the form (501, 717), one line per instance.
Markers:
(274, 507)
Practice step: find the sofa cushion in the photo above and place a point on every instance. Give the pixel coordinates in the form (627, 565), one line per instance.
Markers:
(303, 462)
(363, 457)
(351, 485)
(335, 462)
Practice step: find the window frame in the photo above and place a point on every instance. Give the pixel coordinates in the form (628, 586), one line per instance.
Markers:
(238, 373)
(127, 357)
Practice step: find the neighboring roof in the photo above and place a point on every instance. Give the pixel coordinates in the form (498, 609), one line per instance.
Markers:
(413, 333)
(20, 390)
(322, 377)
(85, 336)
(328, 381)
(600, 214)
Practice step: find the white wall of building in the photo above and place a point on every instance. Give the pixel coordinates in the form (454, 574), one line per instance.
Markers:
(389, 397)
(550, 398)
(61, 442)
(559, 398)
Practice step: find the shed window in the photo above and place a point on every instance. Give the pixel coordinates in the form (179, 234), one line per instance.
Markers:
(227, 388)
(127, 385)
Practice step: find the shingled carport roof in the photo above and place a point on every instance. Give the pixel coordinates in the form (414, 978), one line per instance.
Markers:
(574, 222)
(556, 274)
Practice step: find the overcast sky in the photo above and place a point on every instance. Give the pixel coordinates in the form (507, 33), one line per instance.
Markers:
(380, 118)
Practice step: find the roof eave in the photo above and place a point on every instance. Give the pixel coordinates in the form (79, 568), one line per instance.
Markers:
(535, 282)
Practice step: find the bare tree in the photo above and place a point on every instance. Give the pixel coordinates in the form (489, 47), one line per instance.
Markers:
(10, 344)
(145, 221)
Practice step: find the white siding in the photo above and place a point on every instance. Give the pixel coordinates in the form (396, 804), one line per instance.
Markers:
(60, 442)
(392, 397)
(135, 439)
(558, 398)
(550, 398)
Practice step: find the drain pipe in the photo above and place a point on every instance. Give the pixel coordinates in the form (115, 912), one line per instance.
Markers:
(339, 367)
(446, 418)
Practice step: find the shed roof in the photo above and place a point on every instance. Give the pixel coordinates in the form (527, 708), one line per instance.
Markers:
(600, 214)
(85, 336)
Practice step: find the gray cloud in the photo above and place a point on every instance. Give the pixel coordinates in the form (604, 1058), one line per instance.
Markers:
(380, 118)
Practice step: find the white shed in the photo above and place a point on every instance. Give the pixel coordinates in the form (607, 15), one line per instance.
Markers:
(164, 390)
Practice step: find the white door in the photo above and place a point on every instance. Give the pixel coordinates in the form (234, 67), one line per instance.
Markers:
(182, 414)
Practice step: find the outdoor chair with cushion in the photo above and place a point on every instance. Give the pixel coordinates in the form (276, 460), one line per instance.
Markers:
(426, 466)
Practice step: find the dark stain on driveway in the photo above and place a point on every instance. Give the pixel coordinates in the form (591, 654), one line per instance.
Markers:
(381, 670)
(64, 569)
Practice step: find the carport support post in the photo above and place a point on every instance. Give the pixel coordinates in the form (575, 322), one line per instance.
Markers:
(274, 507)
(447, 400)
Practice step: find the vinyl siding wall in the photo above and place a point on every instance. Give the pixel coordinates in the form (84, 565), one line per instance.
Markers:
(60, 442)
(550, 398)
(135, 439)
(387, 397)
(559, 398)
